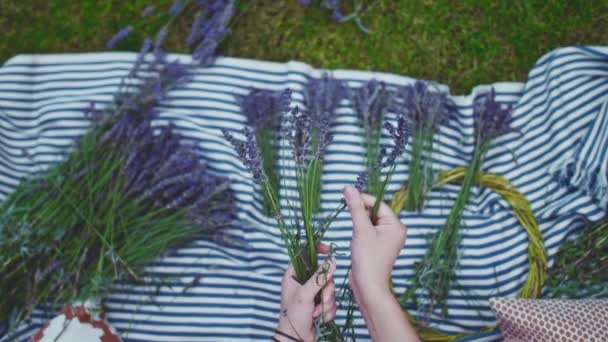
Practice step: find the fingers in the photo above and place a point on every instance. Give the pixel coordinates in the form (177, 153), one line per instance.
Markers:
(289, 273)
(328, 311)
(357, 209)
(328, 299)
(330, 314)
(329, 292)
(322, 277)
(385, 213)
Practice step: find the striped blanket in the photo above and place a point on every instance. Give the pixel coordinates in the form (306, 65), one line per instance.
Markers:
(558, 158)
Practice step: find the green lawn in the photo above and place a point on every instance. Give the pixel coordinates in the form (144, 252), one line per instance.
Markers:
(460, 43)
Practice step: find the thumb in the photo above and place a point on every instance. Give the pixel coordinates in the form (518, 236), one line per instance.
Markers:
(357, 209)
(318, 280)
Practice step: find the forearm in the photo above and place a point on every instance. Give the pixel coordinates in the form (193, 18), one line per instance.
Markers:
(384, 317)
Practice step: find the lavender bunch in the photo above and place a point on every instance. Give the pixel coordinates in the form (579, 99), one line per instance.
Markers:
(321, 98)
(263, 110)
(427, 110)
(123, 197)
(435, 273)
(302, 234)
(371, 102)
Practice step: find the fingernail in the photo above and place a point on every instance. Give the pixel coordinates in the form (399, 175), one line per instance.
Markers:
(349, 191)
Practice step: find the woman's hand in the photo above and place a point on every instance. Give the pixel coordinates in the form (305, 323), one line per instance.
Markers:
(375, 246)
(298, 308)
(374, 249)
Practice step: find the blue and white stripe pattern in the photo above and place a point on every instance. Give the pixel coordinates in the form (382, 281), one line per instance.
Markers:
(557, 158)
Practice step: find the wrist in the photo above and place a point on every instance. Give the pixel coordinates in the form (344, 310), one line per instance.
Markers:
(371, 290)
(285, 332)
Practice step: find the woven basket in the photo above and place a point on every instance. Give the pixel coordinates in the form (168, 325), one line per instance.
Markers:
(537, 256)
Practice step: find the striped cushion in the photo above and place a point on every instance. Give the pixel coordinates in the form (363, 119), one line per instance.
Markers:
(232, 293)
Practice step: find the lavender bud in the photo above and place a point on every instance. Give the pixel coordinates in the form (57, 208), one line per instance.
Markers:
(147, 11)
(361, 182)
(491, 119)
(426, 109)
(176, 7)
(120, 35)
(371, 102)
(322, 96)
(249, 153)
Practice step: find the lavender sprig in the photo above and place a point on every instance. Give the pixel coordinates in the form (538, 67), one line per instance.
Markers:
(434, 274)
(371, 102)
(209, 28)
(361, 182)
(427, 110)
(399, 136)
(335, 7)
(322, 97)
(147, 11)
(263, 109)
(491, 119)
(120, 35)
(249, 153)
(175, 8)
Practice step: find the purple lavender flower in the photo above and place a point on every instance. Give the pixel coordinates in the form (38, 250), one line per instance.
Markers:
(425, 108)
(361, 182)
(305, 2)
(491, 119)
(334, 7)
(263, 108)
(159, 41)
(322, 96)
(176, 7)
(120, 35)
(147, 11)
(249, 153)
(209, 28)
(160, 169)
(371, 101)
(141, 56)
(298, 131)
(92, 113)
(399, 136)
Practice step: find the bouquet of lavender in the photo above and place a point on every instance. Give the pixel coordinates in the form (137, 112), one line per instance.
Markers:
(321, 98)
(263, 108)
(371, 102)
(123, 197)
(302, 233)
(436, 271)
(426, 110)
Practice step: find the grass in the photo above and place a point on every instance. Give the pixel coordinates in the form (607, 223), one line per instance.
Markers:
(460, 43)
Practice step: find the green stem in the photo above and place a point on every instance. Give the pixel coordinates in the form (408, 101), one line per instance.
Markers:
(264, 139)
(422, 148)
(380, 194)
